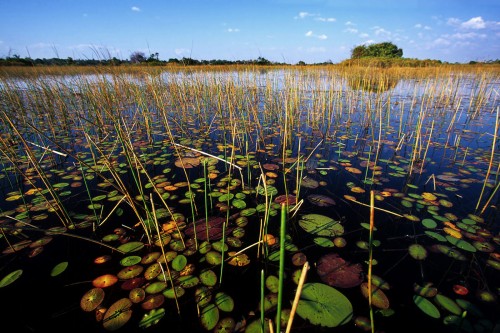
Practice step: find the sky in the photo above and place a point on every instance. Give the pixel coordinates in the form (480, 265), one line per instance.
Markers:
(289, 31)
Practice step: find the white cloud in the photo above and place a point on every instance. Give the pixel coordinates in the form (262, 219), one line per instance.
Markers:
(441, 42)
(420, 26)
(351, 30)
(303, 15)
(325, 19)
(135, 9)
(349, 23)
(233, 30)
(474, 23)
(453, 21)
(468, 35)
(311, 34)
(364, 35)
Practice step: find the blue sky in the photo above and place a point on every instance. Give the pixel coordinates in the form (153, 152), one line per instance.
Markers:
(278, 30)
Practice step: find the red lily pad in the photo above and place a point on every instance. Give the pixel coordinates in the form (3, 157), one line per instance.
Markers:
(320, 200)
(214, 226)
(336, 272)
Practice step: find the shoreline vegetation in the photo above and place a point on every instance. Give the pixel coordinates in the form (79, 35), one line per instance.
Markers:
(16, 66)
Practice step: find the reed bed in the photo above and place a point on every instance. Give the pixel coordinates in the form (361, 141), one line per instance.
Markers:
(140, 133)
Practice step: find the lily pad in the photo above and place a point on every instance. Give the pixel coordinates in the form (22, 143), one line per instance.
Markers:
(324, 305)
(321, 225)
(417, 251)
(320, 200)
(10, 278)
(209, 316)
(448, 304)
(131, 246)
(59, 268)
(152, 317)
(461, 244)
(224, 302)
(379, 299)
(118, 314)
(336, 272)
(92, 299)
(426, 306)
(104, 281)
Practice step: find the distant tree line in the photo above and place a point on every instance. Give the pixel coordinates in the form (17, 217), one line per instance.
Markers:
(135, 59)
(382, 55)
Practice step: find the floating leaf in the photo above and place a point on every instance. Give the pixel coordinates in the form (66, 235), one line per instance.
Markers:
(105, 280)
(461, 244)
(324, 305)
(179, 262)
(323, 242)
(209, 316)
(320, 200)
(426, 306)
(224, 302)
(118, 314)
(10, 278)
(92, 299)
(428, 290)
(379, 299)
(321, 225)
(208, 278)
(59, 268)
(130, 260)
(131, 246)
(225, 325)
(336, 272)
(448, 304)
(417, 251)
(152, 317)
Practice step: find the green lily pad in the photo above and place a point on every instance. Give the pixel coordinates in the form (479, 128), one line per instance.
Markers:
(209, 316)
(323, 242)
(59, 268)
(435, 235)
(224, 302)
(321, 225)
(426, 306)
(10, 278)
(152, 317)
(272, 283)
(131, 246)
(429, 223)
(448, 304)
(208, 278)
(461, 244)
(130, 261)
(324, 305)
(417, 251)
(179, 262)
(155, 287)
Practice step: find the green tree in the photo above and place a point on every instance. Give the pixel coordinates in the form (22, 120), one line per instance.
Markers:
(385, 49)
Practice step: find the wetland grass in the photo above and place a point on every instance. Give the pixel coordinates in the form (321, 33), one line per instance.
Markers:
(182, 171)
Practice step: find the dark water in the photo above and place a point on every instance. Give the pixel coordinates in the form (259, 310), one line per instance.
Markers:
(339, 153)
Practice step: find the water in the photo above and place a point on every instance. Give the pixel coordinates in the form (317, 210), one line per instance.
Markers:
(422, 145)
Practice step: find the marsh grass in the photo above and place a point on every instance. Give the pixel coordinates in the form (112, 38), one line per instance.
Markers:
(109, 124)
